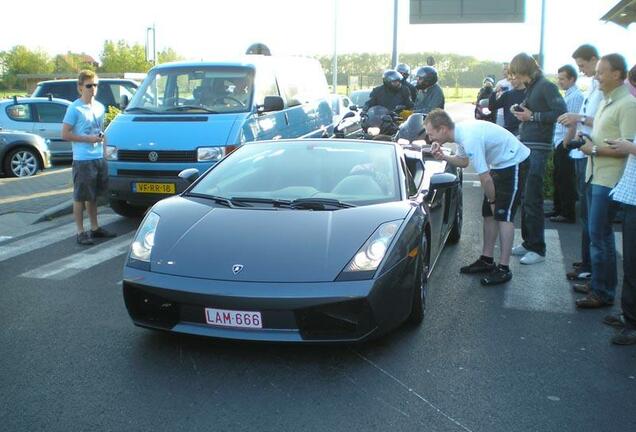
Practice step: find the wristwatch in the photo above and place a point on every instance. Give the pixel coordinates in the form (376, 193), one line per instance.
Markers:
(594, 150)
(583, 120)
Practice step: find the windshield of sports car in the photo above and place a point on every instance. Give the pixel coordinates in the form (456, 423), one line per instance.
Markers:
(212, 89)
(342, 172)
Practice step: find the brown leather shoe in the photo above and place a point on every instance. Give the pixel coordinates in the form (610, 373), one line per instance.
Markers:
(627, 336)
(592, 301)
(582, 288)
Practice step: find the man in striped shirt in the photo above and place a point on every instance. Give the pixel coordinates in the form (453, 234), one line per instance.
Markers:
(625, 193)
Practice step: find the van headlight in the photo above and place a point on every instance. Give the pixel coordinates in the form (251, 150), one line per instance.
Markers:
(206, 154)
(111, 153)
(141, 247)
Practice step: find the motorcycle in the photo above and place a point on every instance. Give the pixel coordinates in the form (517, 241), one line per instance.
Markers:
(381, 122)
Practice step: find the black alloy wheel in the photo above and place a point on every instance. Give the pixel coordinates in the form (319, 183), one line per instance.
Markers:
(456, 231)
(419, 293)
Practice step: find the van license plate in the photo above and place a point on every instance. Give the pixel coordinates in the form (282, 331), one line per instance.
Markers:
(231, 318)
(159, 188)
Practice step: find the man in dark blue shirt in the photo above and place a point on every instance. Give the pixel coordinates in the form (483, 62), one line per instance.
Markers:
(505, 100)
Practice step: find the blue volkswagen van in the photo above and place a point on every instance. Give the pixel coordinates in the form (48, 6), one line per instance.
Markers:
(191, 114)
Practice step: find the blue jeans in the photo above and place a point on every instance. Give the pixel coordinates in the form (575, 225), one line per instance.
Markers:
(532, 218)
(581, 189)
(601, 210)
(628, 299)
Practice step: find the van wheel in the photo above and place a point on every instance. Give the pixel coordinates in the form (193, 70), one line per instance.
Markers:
(128, 210)
(22, 162)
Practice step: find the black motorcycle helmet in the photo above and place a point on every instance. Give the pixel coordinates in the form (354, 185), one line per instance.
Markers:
(426, 76)
(258, 49)
(392, 80)
(404, 70)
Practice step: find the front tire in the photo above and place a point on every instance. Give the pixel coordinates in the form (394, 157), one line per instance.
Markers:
(456, 231)
(419, 296)
(22, 162)
(128, 210)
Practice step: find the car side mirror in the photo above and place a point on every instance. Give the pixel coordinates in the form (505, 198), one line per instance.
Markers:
(443, 181)
(271, 103)
(189, 175)
(123, 102)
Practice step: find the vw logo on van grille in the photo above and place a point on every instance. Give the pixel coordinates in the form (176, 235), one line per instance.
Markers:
(153, 156)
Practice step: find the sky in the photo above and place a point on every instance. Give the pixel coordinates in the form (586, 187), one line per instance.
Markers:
(214, 29)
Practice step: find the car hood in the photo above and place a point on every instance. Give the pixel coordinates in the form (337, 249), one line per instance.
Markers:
(195, 239)
(167, 132)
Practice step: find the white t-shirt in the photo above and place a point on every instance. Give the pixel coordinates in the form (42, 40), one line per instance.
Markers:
(488, 146)
(592, 99)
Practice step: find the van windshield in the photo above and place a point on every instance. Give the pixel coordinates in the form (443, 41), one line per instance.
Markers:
(190, 90)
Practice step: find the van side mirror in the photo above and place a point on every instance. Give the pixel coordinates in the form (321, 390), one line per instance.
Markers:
(271, 103)
(123, 102)
(189, 175)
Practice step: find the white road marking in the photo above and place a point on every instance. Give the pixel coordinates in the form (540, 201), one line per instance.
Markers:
(543, 286)
(44, 239)
(89, 257)
(5, 238)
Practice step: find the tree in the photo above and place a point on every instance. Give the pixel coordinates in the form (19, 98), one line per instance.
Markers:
(21, 60)
(168, 55)
(72, 62)
(119, 57)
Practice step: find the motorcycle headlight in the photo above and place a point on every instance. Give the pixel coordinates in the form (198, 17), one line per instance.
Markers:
(111, 153)
(141, 247)
(373, 131)
(372, 252)
(206, 154)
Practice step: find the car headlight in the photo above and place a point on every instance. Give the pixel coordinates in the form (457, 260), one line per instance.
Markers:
(111, 153)
(205, 154)
(371, 254)
(145, 239)
(373, 131)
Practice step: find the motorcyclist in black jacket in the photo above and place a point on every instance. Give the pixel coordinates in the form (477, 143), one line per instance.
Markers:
(404, 70)
(430, 94)
(391, 94)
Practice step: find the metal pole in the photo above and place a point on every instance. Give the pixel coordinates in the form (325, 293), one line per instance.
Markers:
(335, 46)
(394, 56)
(541, 54)
(154, 44)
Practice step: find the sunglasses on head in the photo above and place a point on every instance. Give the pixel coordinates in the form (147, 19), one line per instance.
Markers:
(91, 85)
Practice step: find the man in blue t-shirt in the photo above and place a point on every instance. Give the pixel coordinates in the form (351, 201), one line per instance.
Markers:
(500, 159)
(83, 126)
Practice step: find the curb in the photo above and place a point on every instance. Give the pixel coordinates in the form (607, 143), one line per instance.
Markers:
(61, 210)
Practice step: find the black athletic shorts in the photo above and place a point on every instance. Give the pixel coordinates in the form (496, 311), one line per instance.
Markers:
(509, 185)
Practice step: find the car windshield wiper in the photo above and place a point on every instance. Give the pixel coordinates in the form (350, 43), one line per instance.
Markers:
(274, 202)
(191, 108)
(318, 203)
(140, 109)
(228, 202)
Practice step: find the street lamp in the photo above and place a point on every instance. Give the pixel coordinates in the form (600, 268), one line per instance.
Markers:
(151, 55)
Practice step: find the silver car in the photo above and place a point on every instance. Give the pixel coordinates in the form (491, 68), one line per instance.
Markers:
(23, 154)
(39, 115)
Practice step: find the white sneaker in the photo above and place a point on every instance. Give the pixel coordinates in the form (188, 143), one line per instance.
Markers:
(519, 250)
(531, 258)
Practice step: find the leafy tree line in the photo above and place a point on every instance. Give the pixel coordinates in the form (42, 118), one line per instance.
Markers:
(115, 57)
(454, 70)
